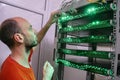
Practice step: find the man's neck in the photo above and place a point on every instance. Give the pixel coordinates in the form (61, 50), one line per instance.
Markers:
(20, 55)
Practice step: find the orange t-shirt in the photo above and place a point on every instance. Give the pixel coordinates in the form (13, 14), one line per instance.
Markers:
(11, 70)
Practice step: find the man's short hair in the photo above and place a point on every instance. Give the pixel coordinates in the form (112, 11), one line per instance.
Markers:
(7, 30)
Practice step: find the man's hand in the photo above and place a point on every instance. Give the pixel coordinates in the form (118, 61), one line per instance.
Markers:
(47, 71)
(54, 17)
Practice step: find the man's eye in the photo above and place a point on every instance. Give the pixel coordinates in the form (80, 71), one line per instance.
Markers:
(30, 27)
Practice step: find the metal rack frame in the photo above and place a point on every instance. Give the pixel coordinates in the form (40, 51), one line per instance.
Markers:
(116, 44)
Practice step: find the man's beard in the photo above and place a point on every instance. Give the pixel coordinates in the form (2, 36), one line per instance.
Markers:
(31, 44)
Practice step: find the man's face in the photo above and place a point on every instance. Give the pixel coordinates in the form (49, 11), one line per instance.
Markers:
(30, 38)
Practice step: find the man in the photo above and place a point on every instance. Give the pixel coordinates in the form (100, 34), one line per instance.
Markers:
(18, 34)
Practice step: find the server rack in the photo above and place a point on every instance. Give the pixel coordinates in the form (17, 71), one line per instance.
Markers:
(101, 23)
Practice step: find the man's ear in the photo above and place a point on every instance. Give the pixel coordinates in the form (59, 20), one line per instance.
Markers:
(18, 37)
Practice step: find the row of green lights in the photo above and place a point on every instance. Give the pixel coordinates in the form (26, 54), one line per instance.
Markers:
(92, 25)
(89, 11)
(89, 39)
(87, 67)
(88, 53)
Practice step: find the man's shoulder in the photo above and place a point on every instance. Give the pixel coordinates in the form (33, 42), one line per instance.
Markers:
(8, 68)
(8, 64)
